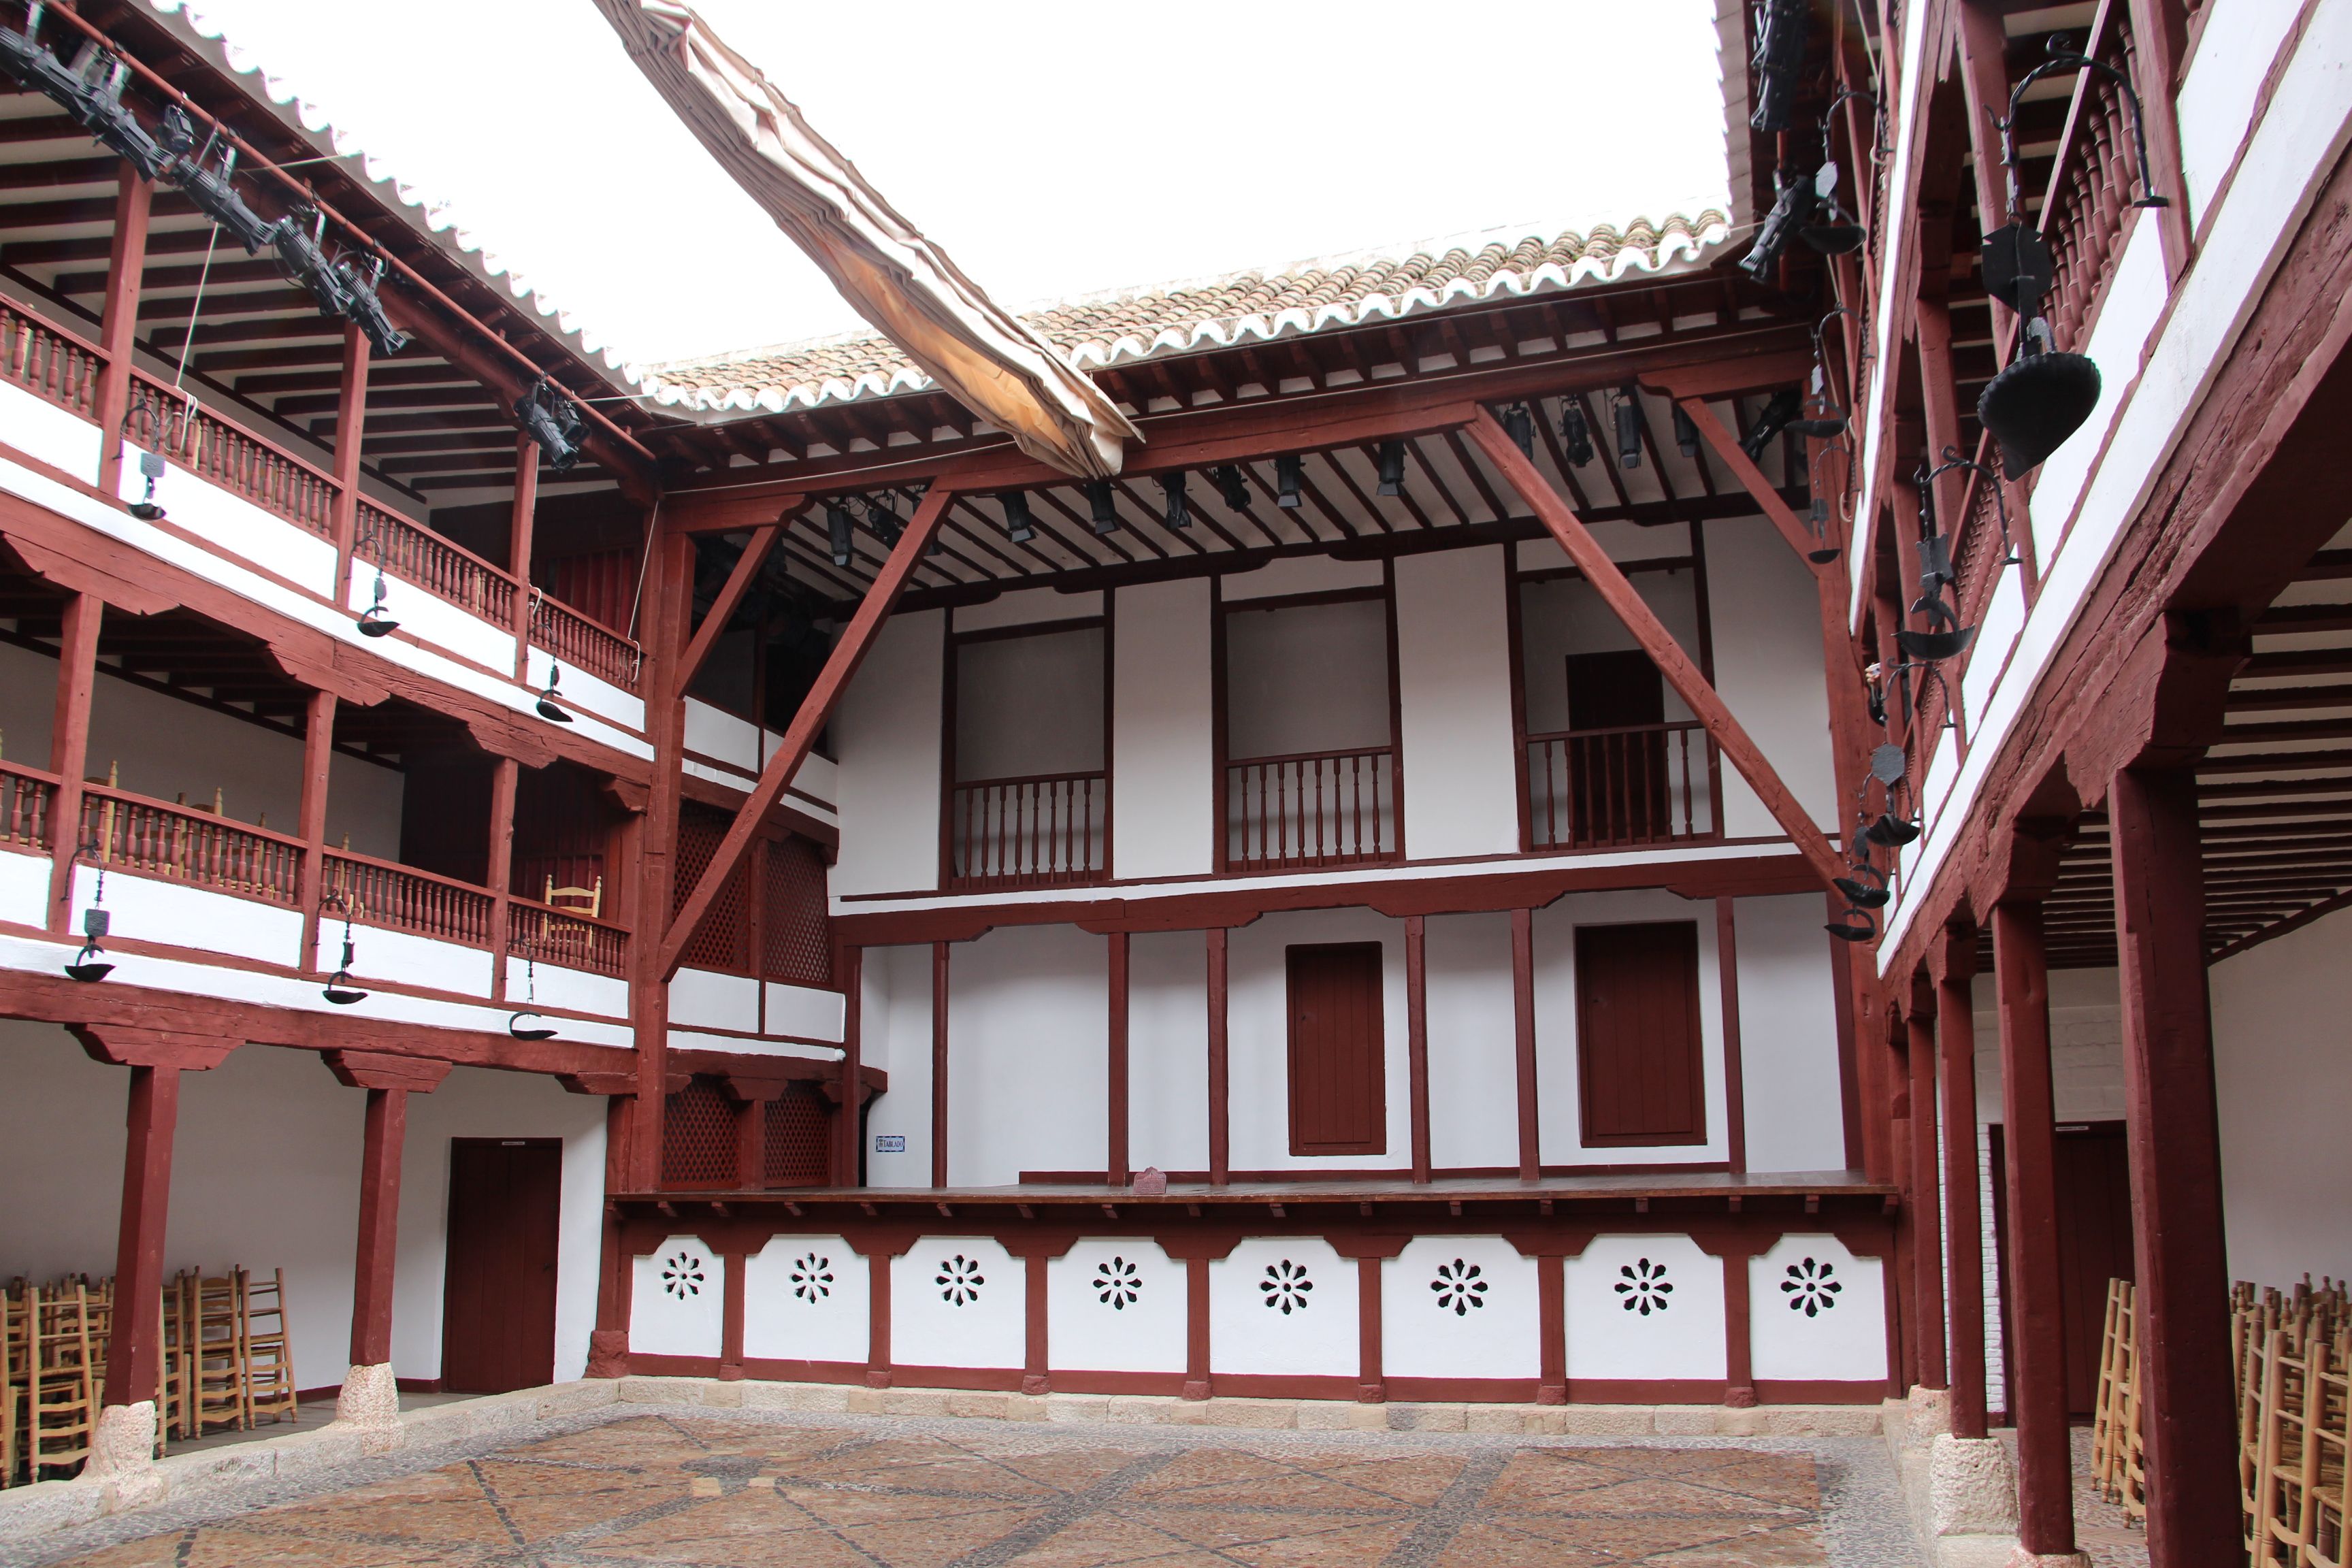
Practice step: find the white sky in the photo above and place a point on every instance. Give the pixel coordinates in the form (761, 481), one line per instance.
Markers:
(1054, 147)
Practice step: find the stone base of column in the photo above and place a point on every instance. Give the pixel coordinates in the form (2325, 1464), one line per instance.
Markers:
(1971, 1487)
(2022, 1558)
(608, 1353)
(1961, 1493)
(122, 1455)
(370, 1399)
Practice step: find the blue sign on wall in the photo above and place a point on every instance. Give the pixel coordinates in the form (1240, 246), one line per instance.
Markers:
(889, 1142)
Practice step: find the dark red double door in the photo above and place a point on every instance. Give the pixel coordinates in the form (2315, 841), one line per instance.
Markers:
(497, 1314)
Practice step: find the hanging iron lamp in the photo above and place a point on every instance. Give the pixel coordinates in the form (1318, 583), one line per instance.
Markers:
(1575, 431)
(341, 990)
(90, 964)
(526, 1024)
(1391, 469)
(151, 469)
(1519, 424)
(548, 706)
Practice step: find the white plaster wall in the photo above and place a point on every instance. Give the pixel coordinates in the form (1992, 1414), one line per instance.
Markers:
(1250, 1332)
(1307, 678)
(167, 746)
(231, 522)
(1163, 731)
(1564, 616)
(810, 1012)
(897, 1037)
(2283, 1078)
(1030, 704)
(1454, 678)
(678, 1298)
(577, 689)
(266, 1173)
(1116, 1304)
(1788, 1036)
(1623, 542)
(1843, 1336)
(1027, 607)
(378, 953)
(2216, 102)
(578, 989)
(713, 1001)
(39, 429)
(1298, 575)
(1168, 1050)
(1768, 670)
(434, 620)
(720, 735)
(807, 1298)
(887, 740)
(1258, 1037)
(155, 909)
(1028, 1027)
(1473, 1041)
(958, 1300)
(24, 889)
(1556, 1089)
(1609, 1335)
(1460, 1306)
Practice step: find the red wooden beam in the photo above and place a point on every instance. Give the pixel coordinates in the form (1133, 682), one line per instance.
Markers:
(738, 583)
(1523, 1021)
(1673, 663)
(1117, 1172)
(940, 968)
(1956, 1042)
(127, 261)
(1416, 1036)
(1729, 451)
(1926, 1242)
(856, 640)
(70, 746)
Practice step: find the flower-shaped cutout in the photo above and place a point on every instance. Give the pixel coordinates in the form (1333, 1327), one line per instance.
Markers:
(682, 1276)
(1118, 1283)
(813, 1277)
(1285, 1286)
(959, 1281)
(1809, 1288)
(1644, 1287)
(1458, 1288)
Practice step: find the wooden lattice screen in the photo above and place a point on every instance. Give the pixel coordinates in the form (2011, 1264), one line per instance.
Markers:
(722, 941)
(796, 931)
(796, 1153)
(699, 1137)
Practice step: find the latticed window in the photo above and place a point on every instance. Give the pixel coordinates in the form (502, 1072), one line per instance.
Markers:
(796, 1151)
(795, 929)
(699, 1137)
(722, 941)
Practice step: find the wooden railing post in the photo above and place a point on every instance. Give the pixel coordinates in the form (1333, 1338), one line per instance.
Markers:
(126, 259)
(318, 757)
(69, 747)
(351, 425)
(500, 871)
(518, 547)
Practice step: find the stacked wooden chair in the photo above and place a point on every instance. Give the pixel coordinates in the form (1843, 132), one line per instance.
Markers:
(2118, 1465)
(64, 1374)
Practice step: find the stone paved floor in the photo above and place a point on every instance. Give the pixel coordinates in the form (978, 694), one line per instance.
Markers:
(641, 1489)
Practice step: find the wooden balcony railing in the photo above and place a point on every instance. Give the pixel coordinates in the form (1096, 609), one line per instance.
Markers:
(448, 570)
(539, 933)
(135, 834)
(2092, 184)
(1642, 783)
(1311, 809)
(228, 455)
(572, 639)
(49, 363)
(401, 898)
(27, 796)
(1044, 831)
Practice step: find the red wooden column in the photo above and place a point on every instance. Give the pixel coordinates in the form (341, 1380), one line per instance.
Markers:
(318, 757)
(1954, 958)
(938, 1064)
(1220, 1082)
(1735, 1074)
(1523, 1017)
(1416, 1038)
(518, 544)
(389, 1080)
(119, 320)
(2176, 1169)
(669, 574)
(351, 429)
(849, 967)
(1886, 1044)
(69, 747)
(156, 1057)
(504, 776)
(1117, 1172)
(608, 1341)
(1926, 1219)
(2037, 1343)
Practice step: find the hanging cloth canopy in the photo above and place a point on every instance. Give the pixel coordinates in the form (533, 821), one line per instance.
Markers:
(901, 282)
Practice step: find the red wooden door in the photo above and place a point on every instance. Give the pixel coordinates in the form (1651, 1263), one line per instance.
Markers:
(1338, 1102)
(1618, 776)
(1637, 1035)
(2092, 1175)
(497, 1298)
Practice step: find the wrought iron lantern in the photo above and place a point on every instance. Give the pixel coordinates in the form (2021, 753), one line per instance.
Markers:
(548, 706)
(91, 964)
(151, 469)
(340, 989)
(526, 1024)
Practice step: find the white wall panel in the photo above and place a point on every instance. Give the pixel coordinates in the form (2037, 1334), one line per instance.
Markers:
(1453, 677)
(720, 735)
(1168, 1050)
(1610, 1334)
(713, 1001)
(1284, 1305)
(677, 1300)
(2235, 46)
(231, 522)
(898, 1020)
(1473, 1041)
(406, 958)
(810, 1012)
(152, 909)
(1258, 1037)
(1460, 1306)
(1028, 1027)
(1026, 607)
(1299, 574)
(887, 740)
(39, 429)
(958, 1300)
(1768, 670)
(1788, 1036)
(1816, 1311)
(435, 621)
(25, 889)
(1163, 732)
(1116, 1304)
(576, 688)
(807, 1298)
(576, 989)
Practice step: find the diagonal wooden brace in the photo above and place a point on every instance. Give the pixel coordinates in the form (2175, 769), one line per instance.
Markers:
(1658, 642)
(714, 624)
(1729, 451)
(816, 709)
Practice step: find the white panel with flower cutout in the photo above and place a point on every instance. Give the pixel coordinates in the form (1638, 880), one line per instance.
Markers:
(1644, 1307)
(1817, 1312)
(1284, 1305)
(958, 1300)
(1460, 1306)
(806, 1297)
(1116, 1304)
(677, 1301)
